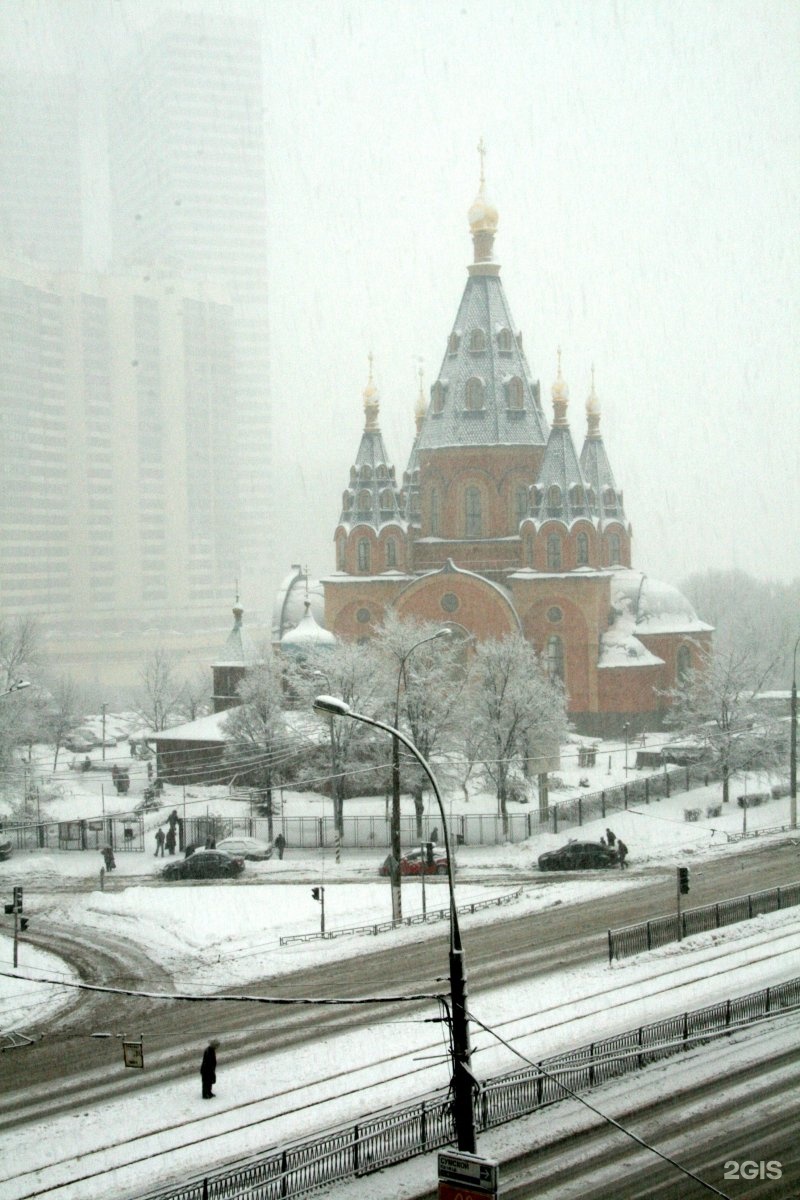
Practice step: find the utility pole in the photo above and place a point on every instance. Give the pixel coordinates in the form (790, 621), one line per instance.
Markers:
(793, 743)
(103, 708)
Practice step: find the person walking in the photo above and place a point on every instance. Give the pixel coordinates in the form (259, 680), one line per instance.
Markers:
(208, 1069)
(108, 858)
(280, 845)
(159, 842)
(611, 836)
(622, 850)
(169, 840)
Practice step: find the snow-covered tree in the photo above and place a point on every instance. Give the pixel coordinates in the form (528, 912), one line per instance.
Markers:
(260, 741)
(20, 649)
(64, 710)
(513, 710)
(356, 674)
(715, 706)
(427, 674)
(195, 695)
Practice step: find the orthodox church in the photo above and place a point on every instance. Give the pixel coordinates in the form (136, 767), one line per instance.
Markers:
(500, 525)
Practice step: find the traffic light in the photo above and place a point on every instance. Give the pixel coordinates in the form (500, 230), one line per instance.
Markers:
(18, 899)
(9, 909)
(683, 880)
(315, 892)
(23, 923)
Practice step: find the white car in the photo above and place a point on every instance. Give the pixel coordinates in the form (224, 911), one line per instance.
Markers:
(249, 848)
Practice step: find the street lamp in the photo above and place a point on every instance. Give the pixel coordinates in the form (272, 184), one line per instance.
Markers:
(793, 742)
(463, 1079)
(397, 850)
(17, 686)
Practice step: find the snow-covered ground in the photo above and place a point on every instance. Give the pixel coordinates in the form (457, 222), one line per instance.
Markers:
(217, 935)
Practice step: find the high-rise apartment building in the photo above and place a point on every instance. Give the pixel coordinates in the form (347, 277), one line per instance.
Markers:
(186, 133)
(116, 510)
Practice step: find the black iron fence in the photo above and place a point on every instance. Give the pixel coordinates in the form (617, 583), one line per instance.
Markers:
(398, 1134)
(660, 931)
(120, 833)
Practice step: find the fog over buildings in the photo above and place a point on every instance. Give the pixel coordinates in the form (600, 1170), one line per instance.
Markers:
(210, 214)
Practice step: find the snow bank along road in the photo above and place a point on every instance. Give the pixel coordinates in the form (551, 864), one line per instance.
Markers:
(48, 1127)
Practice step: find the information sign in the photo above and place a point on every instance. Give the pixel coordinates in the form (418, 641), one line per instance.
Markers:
(133, 1054)
(466, 1177)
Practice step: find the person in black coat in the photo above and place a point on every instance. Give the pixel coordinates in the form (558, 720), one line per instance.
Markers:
(208, 1069)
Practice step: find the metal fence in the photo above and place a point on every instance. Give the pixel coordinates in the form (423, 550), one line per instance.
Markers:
(398, 1134)
(649, 935)
(120, 833)
(466, 829)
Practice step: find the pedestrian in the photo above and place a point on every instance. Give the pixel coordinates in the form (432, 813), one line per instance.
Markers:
(208, 1069)
(172, 819)
(87, 764)
(612, 837)
(149, 770)
(169, 840)
(280, 845)
(159, 842)
(622, 850)
(211, 842)
(108, 858)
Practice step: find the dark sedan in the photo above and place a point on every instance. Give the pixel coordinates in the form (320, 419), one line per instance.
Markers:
(204, 864)
(579, 856)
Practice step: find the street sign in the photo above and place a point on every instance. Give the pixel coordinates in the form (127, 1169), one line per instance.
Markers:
(133, 1054)
(466, 1177)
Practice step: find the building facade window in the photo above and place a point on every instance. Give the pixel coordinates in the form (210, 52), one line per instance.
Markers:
(555, 658)
(684, 662)
(473, 519)
(340, 553)
(515, 395)
(391, 552)
(477, 341)
(365, 501)
(505, 341)
(387, 500)
(521, 503)
(582, 542)
(454, 342)
(614, 549)
(437, 397)
(364, 555)
(554, 501)
(435, 514)
(554, 552)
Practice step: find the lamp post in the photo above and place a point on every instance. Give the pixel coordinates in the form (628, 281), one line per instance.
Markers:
(462, 1082)
(397, 850)
(793, 742)
(626, 728)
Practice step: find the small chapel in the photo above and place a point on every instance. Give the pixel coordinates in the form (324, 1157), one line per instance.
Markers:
(499, 524)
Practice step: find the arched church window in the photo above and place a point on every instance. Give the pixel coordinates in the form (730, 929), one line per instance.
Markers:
(366, 473)
(477, 340)
(684, 662)
(453, 342)
(340, 553)
(529, 556)
(473, 519)
(576, 496)
(609, 499)
(614, 549)
(437, 397)
(391, 552)
(582, 541)
(505, 341)
(515, 395)
(381, 472)
(364, 554)
(554, 498)
(555, 657)
(435, 515)
(521, 503)
(387, 500)
(474, 394)
(554, 552)
(365, 501)
(347, 501)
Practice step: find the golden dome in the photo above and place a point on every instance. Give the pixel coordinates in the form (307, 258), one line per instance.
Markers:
(592, 402)
(482, 214)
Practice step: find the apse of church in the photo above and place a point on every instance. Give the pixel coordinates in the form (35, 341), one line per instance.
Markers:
(500, 525)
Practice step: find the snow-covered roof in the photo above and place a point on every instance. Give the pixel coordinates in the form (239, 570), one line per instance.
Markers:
(655, 607)
(307, 634)
(619, 646)
(204, 729)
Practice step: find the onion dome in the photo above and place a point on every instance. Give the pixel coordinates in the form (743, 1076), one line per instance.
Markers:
(592, 412)
(560, 393)
(483, 218)
(307, 635)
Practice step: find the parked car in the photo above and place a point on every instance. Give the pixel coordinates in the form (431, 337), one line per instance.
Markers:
(5, 847)
(79, 743)
(249, 848)
(579, 856)
(204, 864)
(430, 861)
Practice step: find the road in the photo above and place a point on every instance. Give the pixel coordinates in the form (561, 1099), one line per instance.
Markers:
(86, 1072)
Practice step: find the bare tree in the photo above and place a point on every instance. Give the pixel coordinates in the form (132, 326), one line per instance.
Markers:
(20, 648)
(356, 674)
(157, 699)
(513, 710)
(63, 712)
(426, 689)
(715, 705)
(260, 740)
(195, 695)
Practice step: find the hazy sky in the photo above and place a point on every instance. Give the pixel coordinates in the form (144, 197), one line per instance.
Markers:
(645, 161)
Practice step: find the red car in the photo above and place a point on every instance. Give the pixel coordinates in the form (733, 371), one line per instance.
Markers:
(432, 860)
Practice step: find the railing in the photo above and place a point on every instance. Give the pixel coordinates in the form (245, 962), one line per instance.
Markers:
(438, 914)
(120, 833)
(396, 1135)
(660, 931)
